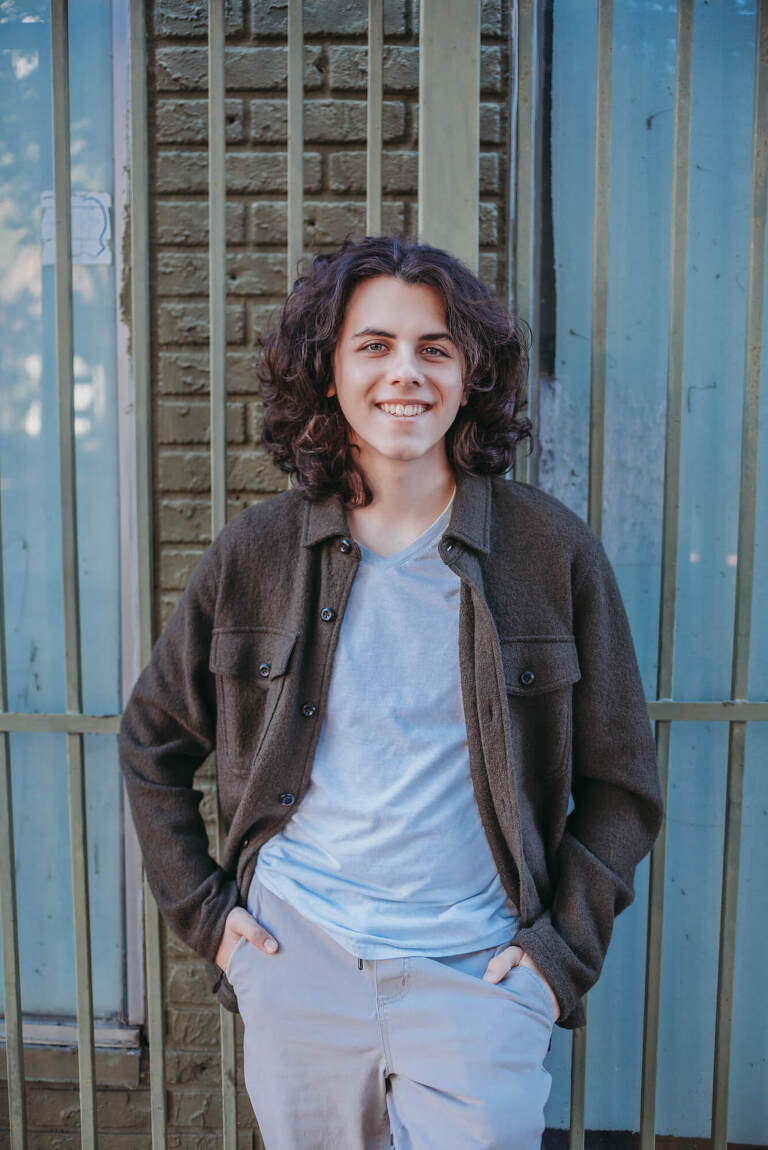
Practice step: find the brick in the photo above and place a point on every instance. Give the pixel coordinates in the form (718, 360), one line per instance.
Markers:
(246, 172)
(190, 21)
(323, 19)
(185, 222)
(346, 172)
(176, 564)
(186, 121)
(324, 120)
(259, 317)
(192, 1026)
(489, 224)
(173, 947)
(48, 1140)
(200, 1067)
(185, 520)
(186, 372)
(59, 1109)
(188, 322)
(176, 171)
(189, 520)
(201, 1108)
(253, 471)
(250, 69)
(491, 126)
(254, 172)
(201, 1141)
(188, 983)
(189, 472)
(325, 222)
(189, 422)
(348, 68)
(248, 273)
(488, 270)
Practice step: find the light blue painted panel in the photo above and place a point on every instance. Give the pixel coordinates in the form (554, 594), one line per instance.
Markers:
(641, 142)
(31, 520)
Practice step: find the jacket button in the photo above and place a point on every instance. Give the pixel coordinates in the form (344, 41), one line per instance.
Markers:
(245, 842)
(327, 614)
(264, 669)
(287, 799)
(309, 709)
(527, 678)
(449, 547)
(345, 545)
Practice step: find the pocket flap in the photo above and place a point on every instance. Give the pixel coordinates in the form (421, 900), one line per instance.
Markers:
(533, 665)
(253, 653)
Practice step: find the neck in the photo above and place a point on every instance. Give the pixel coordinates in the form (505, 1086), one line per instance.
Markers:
(405, 501)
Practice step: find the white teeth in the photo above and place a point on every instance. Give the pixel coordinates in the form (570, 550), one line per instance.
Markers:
(403, 409)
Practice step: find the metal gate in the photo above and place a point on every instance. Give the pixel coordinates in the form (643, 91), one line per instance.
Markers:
(448, 216)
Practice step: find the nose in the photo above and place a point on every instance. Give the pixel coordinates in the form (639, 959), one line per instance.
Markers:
(405, 368)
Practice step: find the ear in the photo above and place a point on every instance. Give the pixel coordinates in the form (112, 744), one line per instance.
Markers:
(330, 390)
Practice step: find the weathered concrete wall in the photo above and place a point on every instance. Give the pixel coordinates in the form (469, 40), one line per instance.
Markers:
(335, 74)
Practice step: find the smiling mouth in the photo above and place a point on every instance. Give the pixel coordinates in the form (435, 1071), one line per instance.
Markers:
(404, 410)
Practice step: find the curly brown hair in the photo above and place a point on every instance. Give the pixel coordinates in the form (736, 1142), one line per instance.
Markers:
(306, 432)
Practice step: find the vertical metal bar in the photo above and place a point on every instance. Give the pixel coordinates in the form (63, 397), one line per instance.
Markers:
(449, 126)
(670, 515)
(62, 195)
(217, 257)
(375, 110)
(600, 244)
(526, 202)
(217, 253)
(140, 365)
(14, 1040)
(295, 137)
(578, 1087)
(744, 582)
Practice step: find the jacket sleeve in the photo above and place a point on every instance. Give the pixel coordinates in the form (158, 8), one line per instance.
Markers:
(167, 729)
(617, 805)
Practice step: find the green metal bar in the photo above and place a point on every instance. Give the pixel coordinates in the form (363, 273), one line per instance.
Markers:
(724, 711)
(295, 137)
(670, 519)
(141, 369)
(710, 711)
(374, 111)
(63, 724)
(578, 1085)
(449, 126)
(217, 263)
(600, 245)
(217, 253)
(62, 194)
(14, 1038)
(744, 582)
(525, 202)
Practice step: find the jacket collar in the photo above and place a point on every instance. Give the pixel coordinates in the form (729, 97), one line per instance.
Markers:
(470, 517)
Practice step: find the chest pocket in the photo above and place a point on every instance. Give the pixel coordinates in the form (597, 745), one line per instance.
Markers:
(539, 674)
(251, 666)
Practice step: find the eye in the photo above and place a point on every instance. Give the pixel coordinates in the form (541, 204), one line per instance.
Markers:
(373, 346)
(439, 350)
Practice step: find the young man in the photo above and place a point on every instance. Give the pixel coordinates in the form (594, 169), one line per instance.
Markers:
(407, 665)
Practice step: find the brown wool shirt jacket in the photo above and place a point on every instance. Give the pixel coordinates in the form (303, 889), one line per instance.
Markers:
(552, 697)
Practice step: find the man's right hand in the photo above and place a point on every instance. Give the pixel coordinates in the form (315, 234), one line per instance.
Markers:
(240, 923)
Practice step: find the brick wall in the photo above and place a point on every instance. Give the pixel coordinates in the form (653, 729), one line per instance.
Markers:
(335, 76)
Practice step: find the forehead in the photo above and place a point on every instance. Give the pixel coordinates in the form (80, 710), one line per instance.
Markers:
(387, 297)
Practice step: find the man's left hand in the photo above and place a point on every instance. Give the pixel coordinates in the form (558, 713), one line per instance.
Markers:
(503, 962)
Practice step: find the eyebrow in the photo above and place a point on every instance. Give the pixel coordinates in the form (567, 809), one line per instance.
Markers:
(391, 335)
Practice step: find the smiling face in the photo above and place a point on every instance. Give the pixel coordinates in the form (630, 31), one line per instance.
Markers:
(397, 374)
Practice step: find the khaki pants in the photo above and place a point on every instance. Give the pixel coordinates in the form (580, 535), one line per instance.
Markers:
(416, 1053)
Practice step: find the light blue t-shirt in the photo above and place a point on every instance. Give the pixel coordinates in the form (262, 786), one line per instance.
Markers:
(386, 852)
